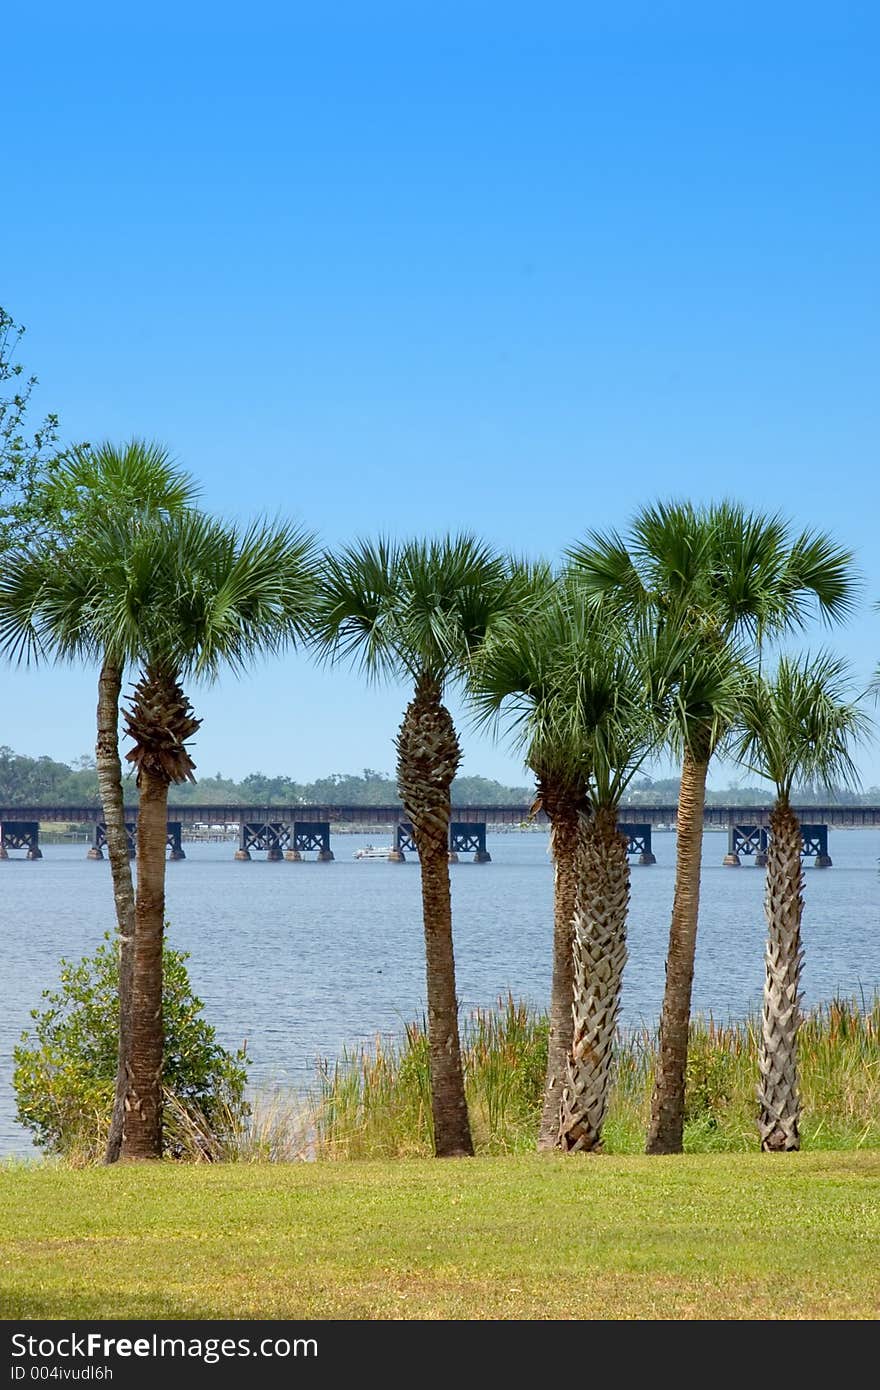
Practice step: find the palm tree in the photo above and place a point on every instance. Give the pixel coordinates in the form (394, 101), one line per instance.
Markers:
(586, 698)
(796, 727)
(220, 597)
(620, 696)
(521, 671)
(43, 611)
(419, 612)
(179, 595)
(728, 576)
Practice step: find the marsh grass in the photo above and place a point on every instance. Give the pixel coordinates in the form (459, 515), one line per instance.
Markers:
(375, 1101)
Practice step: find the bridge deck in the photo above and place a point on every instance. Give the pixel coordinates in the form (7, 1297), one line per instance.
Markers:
(393, 815)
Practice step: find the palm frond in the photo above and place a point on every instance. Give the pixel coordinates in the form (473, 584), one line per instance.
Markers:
(802, 724)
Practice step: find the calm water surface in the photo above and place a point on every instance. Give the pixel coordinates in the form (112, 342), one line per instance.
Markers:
(302, 960)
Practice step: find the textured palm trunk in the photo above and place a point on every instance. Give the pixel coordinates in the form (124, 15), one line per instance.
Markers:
(666, 1131)
(428, 757)
(142, 1126)
(563, 815)
(109, 768)
(599, 959)
(783, 905)
(159, 721)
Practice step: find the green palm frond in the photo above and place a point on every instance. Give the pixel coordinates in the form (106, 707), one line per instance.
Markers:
(722, 575)
(575, 691)
(355, 606)
(179, 589)
(94, 480)
(418, 608)
(802, 724)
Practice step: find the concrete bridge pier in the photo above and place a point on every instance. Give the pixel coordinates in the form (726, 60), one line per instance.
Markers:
(403, 843)
(293, 856)
(175, 840)
(314, 835)
(468, 837)
(20, 834)
(638, 834)
(271, 836)
(815, 841)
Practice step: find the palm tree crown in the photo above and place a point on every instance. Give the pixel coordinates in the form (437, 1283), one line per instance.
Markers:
(800, 725)
(418, 609)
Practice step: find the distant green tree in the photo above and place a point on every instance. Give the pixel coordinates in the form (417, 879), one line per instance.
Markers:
(26, 450)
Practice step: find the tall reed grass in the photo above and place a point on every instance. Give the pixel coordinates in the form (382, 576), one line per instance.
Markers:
(375, 1101)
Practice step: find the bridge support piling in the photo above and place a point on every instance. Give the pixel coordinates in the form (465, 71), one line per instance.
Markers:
(175, 840)
(734, 841)
(293, 856)
(638, 834)
(404, 843)
(468, 837)
(396, 854)
(96, 848)
(815, 841)
(314, 834)
(20, 834)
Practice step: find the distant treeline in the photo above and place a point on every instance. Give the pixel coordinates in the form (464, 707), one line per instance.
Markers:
(44, 782)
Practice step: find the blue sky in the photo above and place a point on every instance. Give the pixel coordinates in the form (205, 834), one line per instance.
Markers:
(409, 267)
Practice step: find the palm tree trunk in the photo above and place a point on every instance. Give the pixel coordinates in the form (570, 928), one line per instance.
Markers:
(142, 1128)
(599, 959)
(109, 770)
(783, 906)
(563, 815)
(666, 1131)
(428, 757)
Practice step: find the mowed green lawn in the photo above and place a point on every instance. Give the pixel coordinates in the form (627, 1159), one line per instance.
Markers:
(703, 1236)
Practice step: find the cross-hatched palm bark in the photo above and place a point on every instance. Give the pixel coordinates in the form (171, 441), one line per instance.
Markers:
(428, 757)
(564, 811)
(599, 952)
(778, 1094)
(160, 721)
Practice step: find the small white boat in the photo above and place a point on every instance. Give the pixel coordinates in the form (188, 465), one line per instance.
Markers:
(373, 852)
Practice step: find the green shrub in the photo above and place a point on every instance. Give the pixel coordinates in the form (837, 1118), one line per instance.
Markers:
(65, 1065)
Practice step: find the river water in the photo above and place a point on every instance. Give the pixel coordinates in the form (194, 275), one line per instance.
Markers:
(304, 959)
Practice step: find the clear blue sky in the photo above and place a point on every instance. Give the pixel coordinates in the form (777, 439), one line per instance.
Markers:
(411, 267)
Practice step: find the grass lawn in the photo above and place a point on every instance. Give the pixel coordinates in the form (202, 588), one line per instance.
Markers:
(700, 1236)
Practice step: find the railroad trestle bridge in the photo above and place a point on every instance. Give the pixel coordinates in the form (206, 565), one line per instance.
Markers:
(289, 832)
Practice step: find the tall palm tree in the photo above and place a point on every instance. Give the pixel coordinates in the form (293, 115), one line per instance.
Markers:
(729, 576)
(522, 672)
(620, 696)
(419, 612)
(221, 598)
(43, 612)
(797, 727)
(178, 595)
(586, 698)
